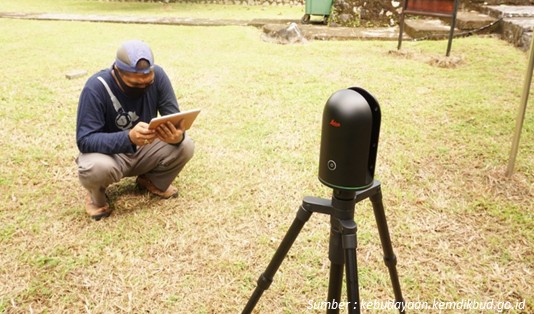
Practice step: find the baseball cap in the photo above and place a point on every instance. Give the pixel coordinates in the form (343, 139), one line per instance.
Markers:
(131, 52)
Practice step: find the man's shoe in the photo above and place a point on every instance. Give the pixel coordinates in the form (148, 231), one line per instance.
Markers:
(94, 211)
(145, 183)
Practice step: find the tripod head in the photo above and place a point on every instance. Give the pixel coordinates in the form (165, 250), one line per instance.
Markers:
(349, 141)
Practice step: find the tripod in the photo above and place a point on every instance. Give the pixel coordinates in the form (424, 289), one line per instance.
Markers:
(342, 247)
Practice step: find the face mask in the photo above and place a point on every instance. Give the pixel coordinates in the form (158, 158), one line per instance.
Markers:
(134, 92)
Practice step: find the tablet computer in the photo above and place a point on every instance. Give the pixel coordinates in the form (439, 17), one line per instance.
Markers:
(189, 116)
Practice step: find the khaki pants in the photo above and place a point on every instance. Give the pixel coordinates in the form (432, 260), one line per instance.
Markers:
(159, 162)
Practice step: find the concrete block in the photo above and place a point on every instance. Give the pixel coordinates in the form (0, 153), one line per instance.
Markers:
(474, 20)
(433, 28)
(75, 74)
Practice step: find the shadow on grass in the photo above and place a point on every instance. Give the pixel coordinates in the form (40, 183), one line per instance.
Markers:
(126, 197)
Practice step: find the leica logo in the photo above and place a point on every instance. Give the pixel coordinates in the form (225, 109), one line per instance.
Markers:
(334, 123)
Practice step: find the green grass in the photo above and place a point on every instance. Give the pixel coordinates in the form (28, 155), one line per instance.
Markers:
(460, 228)
(189, 10)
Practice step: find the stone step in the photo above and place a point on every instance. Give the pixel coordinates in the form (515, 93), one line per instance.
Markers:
(508, 11)
(514, 23)
(472, 20)
(501, 2)
(426, 28)
(518, 31)
(438, 28)
(517, 23)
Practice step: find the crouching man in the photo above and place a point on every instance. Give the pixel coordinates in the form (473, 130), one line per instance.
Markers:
(112, 131)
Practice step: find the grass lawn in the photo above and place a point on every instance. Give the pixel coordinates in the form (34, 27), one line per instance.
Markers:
(133, 8)
(461, 230)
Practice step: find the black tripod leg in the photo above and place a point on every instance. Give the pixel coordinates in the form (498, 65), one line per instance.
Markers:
(351, 263)
(342, 252)
(389, 256)
(337, 261)
(266, 278)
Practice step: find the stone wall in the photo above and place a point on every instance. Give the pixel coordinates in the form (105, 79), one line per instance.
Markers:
(365, 13)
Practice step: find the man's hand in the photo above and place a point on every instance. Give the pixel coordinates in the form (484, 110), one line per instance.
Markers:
(141, 135)
(168, 133)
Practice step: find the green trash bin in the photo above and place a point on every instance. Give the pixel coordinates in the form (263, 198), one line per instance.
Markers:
(317, 7)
